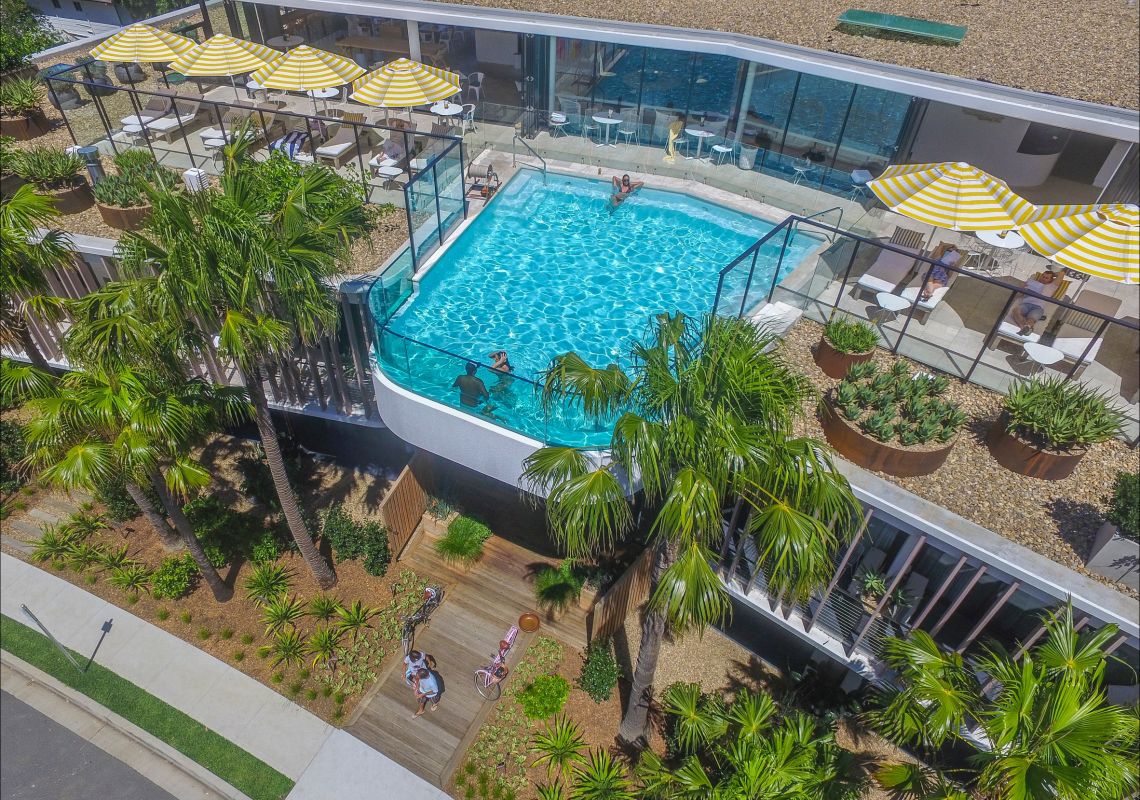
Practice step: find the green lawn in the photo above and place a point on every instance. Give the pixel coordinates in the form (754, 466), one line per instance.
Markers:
(219, 755)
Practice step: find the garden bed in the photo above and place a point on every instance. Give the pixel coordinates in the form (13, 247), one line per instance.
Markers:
(1058, 519)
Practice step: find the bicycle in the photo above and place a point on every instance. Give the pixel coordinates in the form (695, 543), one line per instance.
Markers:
(489, 679)
(433, 596)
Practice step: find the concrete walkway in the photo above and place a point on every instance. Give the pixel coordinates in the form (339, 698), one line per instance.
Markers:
(248, 713)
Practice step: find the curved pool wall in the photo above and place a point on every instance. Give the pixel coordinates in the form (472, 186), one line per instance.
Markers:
(546, 269)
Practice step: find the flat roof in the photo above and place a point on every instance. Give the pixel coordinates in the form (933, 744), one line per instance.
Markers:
(1085, 51)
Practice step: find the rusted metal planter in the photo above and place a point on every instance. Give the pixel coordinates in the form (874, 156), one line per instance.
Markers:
(835, 363)
(1024, 458)
(870, 453)
(72, 199)
(24, 126)
(124, 218)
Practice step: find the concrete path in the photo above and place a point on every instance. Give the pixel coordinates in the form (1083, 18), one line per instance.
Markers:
(248, 713)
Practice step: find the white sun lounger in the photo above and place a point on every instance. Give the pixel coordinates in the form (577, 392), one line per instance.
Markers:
(891, 269)
(1077, 330)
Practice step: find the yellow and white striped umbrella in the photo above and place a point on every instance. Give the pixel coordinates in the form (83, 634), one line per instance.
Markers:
(952, 195)
(223, 55)
(1102, 240)
(404, 83)
(143, 44)
(307, 67)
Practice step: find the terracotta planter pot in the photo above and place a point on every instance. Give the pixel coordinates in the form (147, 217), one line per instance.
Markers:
(529, 622)
(73, 199)
(870, 453)
(1024, 458)
(835, 363)
(24, 127)
(125, 219)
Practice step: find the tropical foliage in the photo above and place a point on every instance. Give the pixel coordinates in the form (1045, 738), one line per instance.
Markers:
(1060, 414)
(704, 419)
(23, 33)
(850, 335)
(1042, 728)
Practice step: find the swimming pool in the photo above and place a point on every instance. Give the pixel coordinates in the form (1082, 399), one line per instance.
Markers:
(547, 269)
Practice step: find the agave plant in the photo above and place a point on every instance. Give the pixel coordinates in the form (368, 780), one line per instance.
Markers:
(288, 648)
(324, 607)
(322, 644)
(550, 791)
(54, 544)
(560, 747)
(281, 611)
(266, 582)
(355, 618)
(114, 559)
(600, 777)
(132, 578)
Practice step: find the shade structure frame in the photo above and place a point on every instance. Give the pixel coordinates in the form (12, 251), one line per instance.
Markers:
(1098, 240)
(952, 195)
(142, 44)
(404, 83)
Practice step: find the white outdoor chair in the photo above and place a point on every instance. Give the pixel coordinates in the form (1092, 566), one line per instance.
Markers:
(629, 127)
(475, 86)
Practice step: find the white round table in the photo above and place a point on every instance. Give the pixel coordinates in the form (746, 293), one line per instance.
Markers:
(446, 110)
(1042, 354)
(285, 41)
(136, 120)
(891, 303)
(700, 134)
(1011, 241)
(607, 121)
(323, 95)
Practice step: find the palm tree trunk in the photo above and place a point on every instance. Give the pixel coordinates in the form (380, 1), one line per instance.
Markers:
(635, 724)
(221, 592)
(29, 345)
(289, 506)
(166, 534)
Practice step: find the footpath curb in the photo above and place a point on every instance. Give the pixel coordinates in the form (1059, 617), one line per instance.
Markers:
(38, 689)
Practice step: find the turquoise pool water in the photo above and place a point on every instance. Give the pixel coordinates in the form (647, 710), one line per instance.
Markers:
(547, 269)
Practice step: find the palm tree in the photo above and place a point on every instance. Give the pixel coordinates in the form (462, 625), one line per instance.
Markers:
(249, 264)
(25, 257)
(1049, 731)
(704, 418)
(91, 426)
(744, 750)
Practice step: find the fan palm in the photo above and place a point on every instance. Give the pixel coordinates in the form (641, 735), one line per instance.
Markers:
(1051, 733)
(251, 270)
(91, 426)
(25, 258)
(704, 418)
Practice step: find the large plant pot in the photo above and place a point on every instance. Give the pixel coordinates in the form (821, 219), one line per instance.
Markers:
(1025, 458)
(73, 199)
(125, 219)
(587, 598)
(1114, 556)
(835, 363)
(9, 184)
(870, 453)
(24, 127)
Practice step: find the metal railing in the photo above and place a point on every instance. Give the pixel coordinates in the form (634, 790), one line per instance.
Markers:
(516, 140)
(818, 214)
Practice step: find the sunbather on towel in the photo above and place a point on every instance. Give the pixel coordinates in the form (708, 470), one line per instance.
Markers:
(1029, 311)
(939, 275)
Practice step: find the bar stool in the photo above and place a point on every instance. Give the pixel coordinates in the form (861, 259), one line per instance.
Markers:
(557, 124)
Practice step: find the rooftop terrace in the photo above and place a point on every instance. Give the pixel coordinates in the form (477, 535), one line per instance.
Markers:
(1085, 51)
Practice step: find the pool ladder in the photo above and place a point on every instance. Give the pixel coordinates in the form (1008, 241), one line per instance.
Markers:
(514, 154)
(838, 222)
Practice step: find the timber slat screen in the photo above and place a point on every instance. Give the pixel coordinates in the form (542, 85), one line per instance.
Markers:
(405, 504)
(623, 598)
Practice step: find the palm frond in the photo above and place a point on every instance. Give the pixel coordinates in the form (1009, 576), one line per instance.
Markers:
(690, 594)
(589, 512)
(599, 391)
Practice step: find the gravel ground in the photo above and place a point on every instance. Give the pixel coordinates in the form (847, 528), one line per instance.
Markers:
(391, 233)
(1057, 519)
(1086, 51)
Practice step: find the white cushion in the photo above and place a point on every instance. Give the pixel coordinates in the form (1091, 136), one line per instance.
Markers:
(926, 305)
(334, 150)
(1074, 347)
(168, 123)
(888, 270)
(1009, 330)
(873, 284)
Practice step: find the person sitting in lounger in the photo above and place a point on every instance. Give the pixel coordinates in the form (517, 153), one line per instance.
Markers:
(623, 188)
(1028, 312)
(946, 255)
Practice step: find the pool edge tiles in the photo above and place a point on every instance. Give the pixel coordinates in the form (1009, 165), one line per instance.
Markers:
(547, 268)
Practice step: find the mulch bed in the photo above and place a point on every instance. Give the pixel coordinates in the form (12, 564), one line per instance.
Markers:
(1057, 519)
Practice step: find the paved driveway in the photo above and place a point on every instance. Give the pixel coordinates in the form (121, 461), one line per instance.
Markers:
(42, 760)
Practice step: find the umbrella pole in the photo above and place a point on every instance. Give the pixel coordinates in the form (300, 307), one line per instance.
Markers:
(237, 97)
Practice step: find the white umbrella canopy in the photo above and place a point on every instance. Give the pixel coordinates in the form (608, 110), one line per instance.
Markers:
(404, 83)
(225, 56)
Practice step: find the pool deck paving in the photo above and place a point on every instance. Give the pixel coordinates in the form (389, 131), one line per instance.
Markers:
(244, 711)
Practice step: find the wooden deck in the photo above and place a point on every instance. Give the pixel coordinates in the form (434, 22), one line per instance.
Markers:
(478, 607)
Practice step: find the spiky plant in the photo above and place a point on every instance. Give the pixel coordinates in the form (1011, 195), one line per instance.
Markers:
(281, 611)
(266, 582)
(323, 607)
(354, 619)
(322, 644)
(288, 648)
(559, 747)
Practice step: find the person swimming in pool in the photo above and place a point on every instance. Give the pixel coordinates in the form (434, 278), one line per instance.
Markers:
(623, 189)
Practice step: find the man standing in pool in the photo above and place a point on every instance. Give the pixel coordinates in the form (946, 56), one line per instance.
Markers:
(623, 188)
(472, 390)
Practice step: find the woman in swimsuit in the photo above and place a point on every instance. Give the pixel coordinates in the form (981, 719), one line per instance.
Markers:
(623, 188)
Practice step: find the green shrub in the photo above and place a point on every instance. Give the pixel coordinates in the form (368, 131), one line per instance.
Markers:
(600, 671)
(1059, 414)
(204, 633)
(131, 579)
(266, 582)
(247, 638)
(227, 536)
(1124, 504)
(112, 495)
(24, 32)
(239, 656)
(556, 588)
(128, 188)
(12, 450)
(186, 617)
(852, 336)
(226, 633)
(48, 167)
(463, 542)
(174, 578)
(350, 539)
(163, 614)
(544, 697)
(20, 96)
